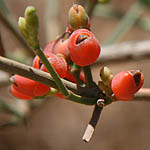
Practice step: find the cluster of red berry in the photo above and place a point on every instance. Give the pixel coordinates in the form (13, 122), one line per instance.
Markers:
(77, 45)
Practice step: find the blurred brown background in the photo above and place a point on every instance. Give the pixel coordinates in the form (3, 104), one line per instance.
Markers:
(60, 124)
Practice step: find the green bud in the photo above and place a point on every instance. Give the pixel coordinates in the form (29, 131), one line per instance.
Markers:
(106, 76)
(31, 17)
(29, 27)
(22, 27)
(105, 88)
(32, 24)
(78, 18)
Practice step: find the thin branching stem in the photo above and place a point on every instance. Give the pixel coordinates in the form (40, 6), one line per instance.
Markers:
(43, 77)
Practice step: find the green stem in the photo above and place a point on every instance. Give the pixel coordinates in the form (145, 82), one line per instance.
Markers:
(127, 22)
(75, 70)
(43, 77)
(52, 71)
(82, 100)
(88, 76)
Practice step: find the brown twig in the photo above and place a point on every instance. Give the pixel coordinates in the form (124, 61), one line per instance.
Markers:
(92, 124)
(142, 95)
(134, 50)
(31, 73)
(45, 78)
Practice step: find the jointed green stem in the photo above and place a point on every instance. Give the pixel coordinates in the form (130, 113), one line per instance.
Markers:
(43, 77)
(81, 100)
(52, 71)
(29, 28)
(88, 76)
(75, 70)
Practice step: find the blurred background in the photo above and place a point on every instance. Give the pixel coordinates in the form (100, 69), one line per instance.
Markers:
(123, 29)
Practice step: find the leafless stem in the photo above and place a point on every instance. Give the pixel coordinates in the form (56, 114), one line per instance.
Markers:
(127, 50)
(92, 124)
(142, 95)
(43, 77)
(32, 73)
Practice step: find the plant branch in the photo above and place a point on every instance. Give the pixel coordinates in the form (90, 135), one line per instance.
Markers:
(53, 73)
(88, 76)
(92, 124)
(14, 67)
(126, 50)
(43, 77)
(75, 70)
(31, 73)
(142, 95)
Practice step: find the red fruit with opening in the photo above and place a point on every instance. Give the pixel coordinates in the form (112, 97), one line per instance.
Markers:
(84, 47)
(126, 83)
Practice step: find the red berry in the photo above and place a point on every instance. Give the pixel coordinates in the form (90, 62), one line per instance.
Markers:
(59, 65)
(40, 89)
(71, 78)
(48, 48)
(19, 94)
(126, 83)
(61, 96)
(37, 63)
(84, 47)
(29, 87)
(61, 46)
(23, 85)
